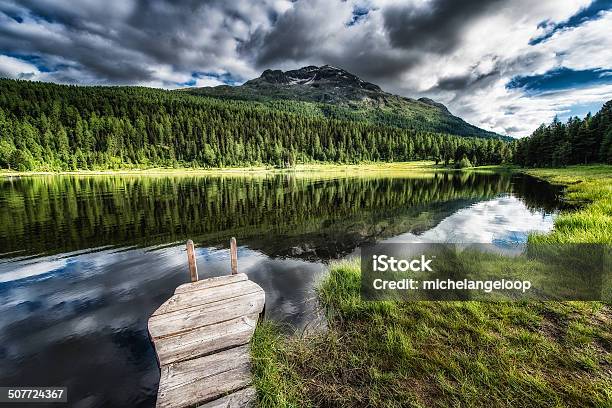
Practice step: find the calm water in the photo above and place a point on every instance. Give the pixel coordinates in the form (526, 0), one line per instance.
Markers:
(84, 261)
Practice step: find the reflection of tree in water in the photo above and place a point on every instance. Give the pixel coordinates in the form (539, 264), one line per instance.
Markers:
(538, 195)
(280, 214)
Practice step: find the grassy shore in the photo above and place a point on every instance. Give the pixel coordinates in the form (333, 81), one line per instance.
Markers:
(422, 354)
(589, 188)
(415, 166)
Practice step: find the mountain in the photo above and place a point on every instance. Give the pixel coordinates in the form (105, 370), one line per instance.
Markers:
(336, 93)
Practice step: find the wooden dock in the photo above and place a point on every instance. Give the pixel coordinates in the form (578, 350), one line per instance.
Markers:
(201, 337)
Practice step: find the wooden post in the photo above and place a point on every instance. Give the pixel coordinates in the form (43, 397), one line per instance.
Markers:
(193, 267)
(234, 255)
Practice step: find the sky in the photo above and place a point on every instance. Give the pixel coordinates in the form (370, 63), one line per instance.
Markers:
(505, 66)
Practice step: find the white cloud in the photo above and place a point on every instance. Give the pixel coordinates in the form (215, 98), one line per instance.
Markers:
(499, 46)
(505, 218)
(163, 43)
(208, 81)
(585, 47)
(15, 68)
(582, 48)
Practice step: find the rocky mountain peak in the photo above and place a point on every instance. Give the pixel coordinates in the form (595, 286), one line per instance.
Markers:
(431, 102)
(313, 76)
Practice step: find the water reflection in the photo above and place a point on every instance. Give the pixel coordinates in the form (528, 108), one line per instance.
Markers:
(86, 260)
(504, 220)
(45, 215)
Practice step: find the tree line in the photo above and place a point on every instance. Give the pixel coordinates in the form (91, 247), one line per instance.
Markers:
(57, 127)
(578, 141)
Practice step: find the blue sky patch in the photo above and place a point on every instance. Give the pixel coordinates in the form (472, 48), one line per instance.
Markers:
(18, 19)
(359, 14)
(191, 82)
(33, 59)
(226, 77)
(559, 79)
(590, 12)
(580, 110)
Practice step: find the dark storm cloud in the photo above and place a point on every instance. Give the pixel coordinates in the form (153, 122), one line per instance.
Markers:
(377, 65)
(468, 81)
(120, 41)
(455, 82)
(295, 36)
(410, 32)
(79, 50)
(319, 32)
(463, 82)
(436, 26)
(473, 80)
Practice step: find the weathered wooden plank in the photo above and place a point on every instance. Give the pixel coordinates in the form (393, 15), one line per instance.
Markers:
(205, 390)
(191, 318)
(210, 282)
(207, 295)
(191, 260)
(204, 379)
(244, 398)
(234, 256)
(205, 340)
(185, 372)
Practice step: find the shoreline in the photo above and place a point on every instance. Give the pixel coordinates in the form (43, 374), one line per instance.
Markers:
(415, 166)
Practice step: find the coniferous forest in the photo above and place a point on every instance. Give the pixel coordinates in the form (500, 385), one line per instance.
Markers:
(579, 141)
(58, 127)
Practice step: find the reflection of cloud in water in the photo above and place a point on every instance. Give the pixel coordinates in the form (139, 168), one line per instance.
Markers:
(501, 219)
(288, 284)
(87, 312)
(95, 305)
(56, 310)
(9, 272)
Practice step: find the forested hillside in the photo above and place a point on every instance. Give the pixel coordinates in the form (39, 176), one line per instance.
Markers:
(337, 94)
(579, 141)
(56, 127)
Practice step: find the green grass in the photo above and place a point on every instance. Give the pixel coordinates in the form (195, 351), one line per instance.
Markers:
(399, 167)
(590, 188)
(447, 354)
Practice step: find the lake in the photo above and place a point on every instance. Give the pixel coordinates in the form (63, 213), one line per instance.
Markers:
(84, 260)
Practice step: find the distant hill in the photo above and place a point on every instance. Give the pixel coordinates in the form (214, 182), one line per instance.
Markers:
(336, 93)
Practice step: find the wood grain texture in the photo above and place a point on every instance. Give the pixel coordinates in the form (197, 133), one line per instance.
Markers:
(210, 282)
(234, 256)
(201, 337)
(181, 321)
(203, 296)
(244, 398)
(206, 340)
(204, 379)
(191, 260)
